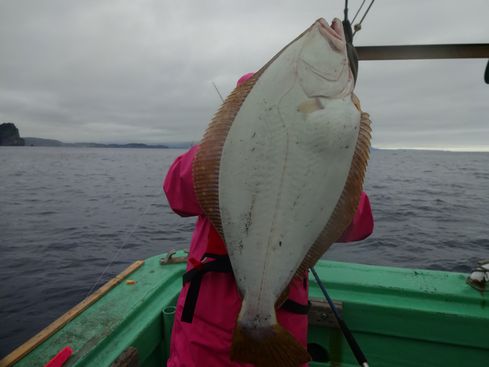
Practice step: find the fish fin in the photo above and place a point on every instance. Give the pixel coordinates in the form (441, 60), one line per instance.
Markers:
(205, 167)
(356, 102)
(282, 298)
(277, 348)
(349, 199)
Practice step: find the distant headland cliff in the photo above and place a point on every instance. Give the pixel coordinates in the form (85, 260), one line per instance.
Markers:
(9, 136)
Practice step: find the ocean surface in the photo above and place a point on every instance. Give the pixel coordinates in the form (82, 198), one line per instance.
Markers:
(72, 218)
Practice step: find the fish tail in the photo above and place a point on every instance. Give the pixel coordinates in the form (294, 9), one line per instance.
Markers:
(272, 346)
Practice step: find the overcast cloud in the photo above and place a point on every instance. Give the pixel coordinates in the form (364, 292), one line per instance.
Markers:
(142, 71)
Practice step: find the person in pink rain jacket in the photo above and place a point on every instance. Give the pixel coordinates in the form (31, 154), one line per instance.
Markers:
(209, 302)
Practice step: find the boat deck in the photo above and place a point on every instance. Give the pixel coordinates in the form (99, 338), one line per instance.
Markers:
(400, 317)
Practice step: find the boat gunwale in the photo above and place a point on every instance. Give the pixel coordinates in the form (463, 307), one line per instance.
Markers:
(20, 352)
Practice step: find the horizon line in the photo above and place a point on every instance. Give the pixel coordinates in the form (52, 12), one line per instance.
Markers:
(458, 149)
(467, 149)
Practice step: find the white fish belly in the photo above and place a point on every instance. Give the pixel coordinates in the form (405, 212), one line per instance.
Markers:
(282, 172)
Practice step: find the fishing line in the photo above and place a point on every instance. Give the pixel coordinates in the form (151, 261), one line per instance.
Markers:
(119, 249)
(358, 11)
(114, 258)
(358, 26)
(217, 90)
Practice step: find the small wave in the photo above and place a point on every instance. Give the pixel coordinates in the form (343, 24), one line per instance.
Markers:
(47, 213)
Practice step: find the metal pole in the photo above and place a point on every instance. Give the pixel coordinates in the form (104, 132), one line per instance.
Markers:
(411, 52)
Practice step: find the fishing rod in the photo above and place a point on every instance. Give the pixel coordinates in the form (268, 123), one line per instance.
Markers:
(352, 342)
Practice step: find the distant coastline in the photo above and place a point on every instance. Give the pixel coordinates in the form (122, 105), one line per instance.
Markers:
(10, 136)
(41, 142)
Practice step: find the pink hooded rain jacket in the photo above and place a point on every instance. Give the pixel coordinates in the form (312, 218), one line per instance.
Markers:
(206, 341)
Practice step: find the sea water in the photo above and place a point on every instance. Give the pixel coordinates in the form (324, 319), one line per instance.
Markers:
(72, 218)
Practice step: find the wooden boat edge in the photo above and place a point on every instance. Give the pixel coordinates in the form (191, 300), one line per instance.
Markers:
(347, 283)
(20, 352)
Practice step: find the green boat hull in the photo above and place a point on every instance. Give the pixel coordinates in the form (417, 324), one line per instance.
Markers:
(400, 317)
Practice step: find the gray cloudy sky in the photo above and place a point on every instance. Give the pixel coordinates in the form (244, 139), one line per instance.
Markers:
(142, 71)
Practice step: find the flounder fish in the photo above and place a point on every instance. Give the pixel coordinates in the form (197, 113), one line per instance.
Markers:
(279, 173)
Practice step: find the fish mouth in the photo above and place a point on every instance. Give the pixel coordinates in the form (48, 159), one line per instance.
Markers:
(334, 34)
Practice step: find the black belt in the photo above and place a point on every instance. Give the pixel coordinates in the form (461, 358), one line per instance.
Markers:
(220, 264)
